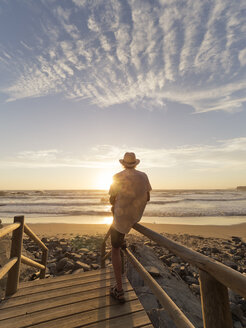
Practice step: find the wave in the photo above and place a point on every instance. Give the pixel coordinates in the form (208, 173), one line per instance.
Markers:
(163, 202)
(214, 199)
(109, 213)
(52, 204)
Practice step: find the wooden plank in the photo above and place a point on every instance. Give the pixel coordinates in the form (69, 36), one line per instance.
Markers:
(34, 237)
(84, 318)
(27, 261)
(14, 301)
(64, 277)
(136, 319)
(16, 248)
(215, 302)
(5, 269)
(61, 284)
(9, 228)
(172, 309)
(224, 274)
(49, 303)
(63, 316)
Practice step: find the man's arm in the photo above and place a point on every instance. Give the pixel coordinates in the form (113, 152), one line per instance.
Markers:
(112, 200)
(148, 196)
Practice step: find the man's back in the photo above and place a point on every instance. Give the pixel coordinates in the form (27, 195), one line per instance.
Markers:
(130, 189)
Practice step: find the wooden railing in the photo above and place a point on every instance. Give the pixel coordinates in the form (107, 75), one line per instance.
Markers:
(12, 267)
(215, 278)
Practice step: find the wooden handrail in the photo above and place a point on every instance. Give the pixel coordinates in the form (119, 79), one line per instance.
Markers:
(5, 269)
(12, 267)
(224, 274)
(173, 310)
(9, 228)
(32, 263)
(34, 237)
(214, 278)
(16, 248)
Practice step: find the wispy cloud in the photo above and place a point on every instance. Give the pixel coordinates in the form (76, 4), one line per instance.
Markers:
(224, 154)
(135, 52)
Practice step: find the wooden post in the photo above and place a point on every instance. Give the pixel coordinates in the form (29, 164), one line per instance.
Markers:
(44, 262)
(215, 302)
(16, 248)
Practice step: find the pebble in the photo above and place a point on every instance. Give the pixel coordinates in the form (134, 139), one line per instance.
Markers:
(79, 264)
(153, 271)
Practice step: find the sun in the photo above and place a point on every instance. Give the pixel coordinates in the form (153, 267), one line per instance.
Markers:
(104, 181)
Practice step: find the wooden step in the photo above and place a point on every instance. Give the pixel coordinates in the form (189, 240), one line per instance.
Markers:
(81, 300)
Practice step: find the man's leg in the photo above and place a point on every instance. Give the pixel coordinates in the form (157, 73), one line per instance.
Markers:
(116, 261)
(117, 239)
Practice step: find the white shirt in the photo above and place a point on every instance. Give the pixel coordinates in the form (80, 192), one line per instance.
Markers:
(130, 187)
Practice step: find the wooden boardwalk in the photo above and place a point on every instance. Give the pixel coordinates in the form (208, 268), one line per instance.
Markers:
(78, 300)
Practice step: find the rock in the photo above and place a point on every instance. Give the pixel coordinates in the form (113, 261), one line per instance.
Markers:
(231, 264)
(237, 258)
(84, 250)
(232, 296)
(174, 259)
(92, 255)
(58, 250)
(68, 266)
(190, 280)
(236, 239)
(61, 263)
(237, 324)
(74, 256)
(32, 248)
(215, 250)
(78, 271)
(95, 266)
(237, 312)
(243, 305)
(153, 271)
(79, 264)
(35, 276)
(44, 240)
(52, 267)
(195, 289)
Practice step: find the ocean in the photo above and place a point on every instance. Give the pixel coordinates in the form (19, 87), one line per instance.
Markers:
(216, 207)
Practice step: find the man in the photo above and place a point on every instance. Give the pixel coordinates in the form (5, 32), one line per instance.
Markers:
(129, 193)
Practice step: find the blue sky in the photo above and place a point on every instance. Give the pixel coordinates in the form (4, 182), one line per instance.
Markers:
(81, 82)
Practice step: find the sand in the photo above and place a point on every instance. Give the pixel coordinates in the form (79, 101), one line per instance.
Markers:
(69, 230)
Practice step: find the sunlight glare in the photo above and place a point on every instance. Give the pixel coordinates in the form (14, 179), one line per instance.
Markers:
(104, 181)
(108, 220)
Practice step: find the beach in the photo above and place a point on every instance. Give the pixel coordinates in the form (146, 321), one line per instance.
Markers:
(69, 230)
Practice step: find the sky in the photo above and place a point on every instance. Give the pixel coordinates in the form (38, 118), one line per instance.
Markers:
(82, 82)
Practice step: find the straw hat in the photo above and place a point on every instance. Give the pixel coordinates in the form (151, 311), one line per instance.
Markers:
(129, 160)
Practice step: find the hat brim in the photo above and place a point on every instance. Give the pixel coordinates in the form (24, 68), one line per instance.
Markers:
(129, 164)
